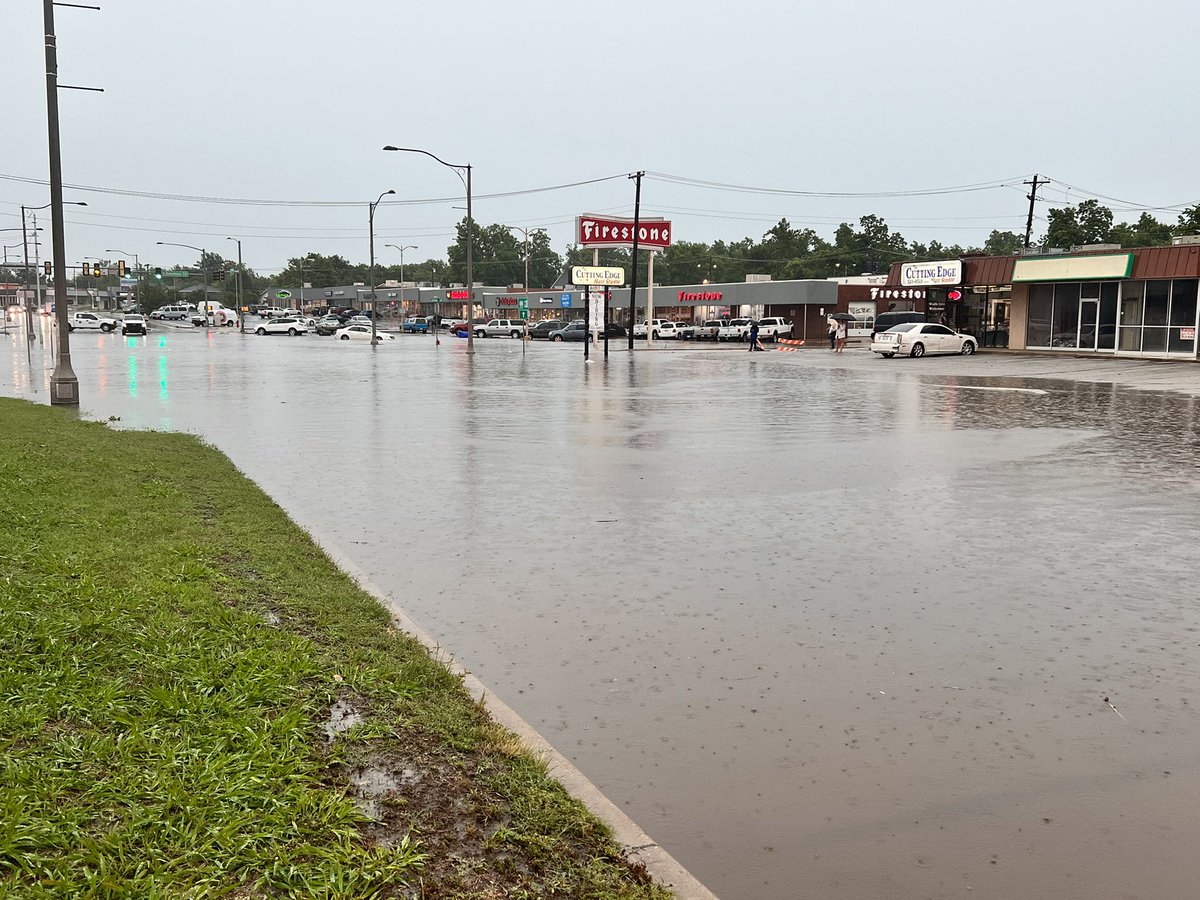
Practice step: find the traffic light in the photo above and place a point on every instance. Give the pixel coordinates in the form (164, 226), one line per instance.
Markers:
(96, 271)
(120, 268)
(219, 275)
(49, 269)
(158, 273)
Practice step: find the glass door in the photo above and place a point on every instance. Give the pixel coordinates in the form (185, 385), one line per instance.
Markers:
(1089, 315)
(1130, 336)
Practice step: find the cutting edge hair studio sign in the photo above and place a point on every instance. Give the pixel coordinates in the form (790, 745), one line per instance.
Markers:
(932, 274)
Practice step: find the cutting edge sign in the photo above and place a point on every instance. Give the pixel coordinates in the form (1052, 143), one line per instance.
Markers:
(597, 276)
(930, 274)
(610, 231)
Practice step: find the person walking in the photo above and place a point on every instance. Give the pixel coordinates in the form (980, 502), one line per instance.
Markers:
(842, 332)
(833, 327)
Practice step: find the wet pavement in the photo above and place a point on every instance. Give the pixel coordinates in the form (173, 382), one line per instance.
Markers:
(824, 626)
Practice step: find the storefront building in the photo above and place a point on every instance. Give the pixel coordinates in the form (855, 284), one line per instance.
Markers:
(972, 295)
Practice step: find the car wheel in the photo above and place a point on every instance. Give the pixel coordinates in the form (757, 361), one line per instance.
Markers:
(557, 338)
(968, 348)
(345, 337)
(918, 350)
(292, 332)
(260, 330)
(514, 334)
(230, 324)
(888, 355)
(106, 327)
(656, 335)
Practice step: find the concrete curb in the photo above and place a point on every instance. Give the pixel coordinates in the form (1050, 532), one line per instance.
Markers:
(639, 846)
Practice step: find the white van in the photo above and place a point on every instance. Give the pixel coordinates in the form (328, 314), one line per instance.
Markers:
(213, 311)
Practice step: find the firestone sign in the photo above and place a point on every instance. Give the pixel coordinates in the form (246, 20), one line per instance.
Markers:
(930, 274)
(607, 231)
(699, 296)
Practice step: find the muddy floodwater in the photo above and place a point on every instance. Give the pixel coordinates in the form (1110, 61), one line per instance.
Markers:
(823, 626)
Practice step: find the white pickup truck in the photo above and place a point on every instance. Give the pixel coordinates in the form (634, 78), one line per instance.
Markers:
(656, 327)
(89, 320)
(734, 330)
(772, 329)
(501, 328)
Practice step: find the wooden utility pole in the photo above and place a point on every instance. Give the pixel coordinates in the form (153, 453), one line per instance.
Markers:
(1032, 195)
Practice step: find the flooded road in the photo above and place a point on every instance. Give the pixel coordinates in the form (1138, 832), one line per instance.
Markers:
(823, 626)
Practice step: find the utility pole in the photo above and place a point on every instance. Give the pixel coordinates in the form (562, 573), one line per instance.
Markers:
(637, 211)
(1032, 195)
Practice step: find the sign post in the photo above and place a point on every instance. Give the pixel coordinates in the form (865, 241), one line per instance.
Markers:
(523, 313)
(596, 276)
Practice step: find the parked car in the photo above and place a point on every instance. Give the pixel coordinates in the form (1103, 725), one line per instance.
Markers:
(919, 338)
(133, 323)
(886, 320)
(328, 325)
(90, 321)
(685, 331)
(735, 330)
(359, 320)
(707, 331)
(359, 332)
(513, 328)
(772, 328)
(282, 325)
(576, 331)
(543, 329)
(640, 328)
(272, 312)
(415, 325)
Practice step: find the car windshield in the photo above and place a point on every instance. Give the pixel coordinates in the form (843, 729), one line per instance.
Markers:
(907, 326)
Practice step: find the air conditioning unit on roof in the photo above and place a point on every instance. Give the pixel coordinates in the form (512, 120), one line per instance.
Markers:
(1184, 239)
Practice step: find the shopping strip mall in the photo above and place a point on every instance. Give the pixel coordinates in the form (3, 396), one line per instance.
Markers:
(1099, 299)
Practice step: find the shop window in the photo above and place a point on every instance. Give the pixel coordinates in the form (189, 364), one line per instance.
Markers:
(1106, 340)
(1041, 306)
(1130, 339)
(1183, 317)
(1158, 296)
(1065, 327)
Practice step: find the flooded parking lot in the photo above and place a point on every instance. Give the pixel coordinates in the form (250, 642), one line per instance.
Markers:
(824, 626)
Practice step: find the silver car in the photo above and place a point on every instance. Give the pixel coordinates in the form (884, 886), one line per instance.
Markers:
(920, 338)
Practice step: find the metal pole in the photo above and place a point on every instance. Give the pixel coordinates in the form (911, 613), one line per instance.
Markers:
(64, 386)
(241, 305)
(470, 274)
(604, 319)
(637, 210)
(587, 320)
(371, 267)
(526, 230)
(28, 305)
(649, 296)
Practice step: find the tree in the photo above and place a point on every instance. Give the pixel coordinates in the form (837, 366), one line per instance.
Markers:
(319, 271)
(1189, 221)
(1074, 226)
(497, 256)
(1003, 243)
(1147, 231)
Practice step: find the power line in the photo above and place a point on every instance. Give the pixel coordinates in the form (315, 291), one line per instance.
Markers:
(748, 189)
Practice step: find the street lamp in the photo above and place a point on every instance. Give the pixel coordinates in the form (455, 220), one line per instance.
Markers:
(526, 232)
(241, 308)
(137, 284)
(25, 241)
(470, 234)
(402, 249)
(203, 268)
(371, 268)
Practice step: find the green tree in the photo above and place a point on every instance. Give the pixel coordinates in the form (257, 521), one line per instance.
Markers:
(1002, 243)
(1189, 221)
(319, 271)
(1074, 226)
(1147, 231)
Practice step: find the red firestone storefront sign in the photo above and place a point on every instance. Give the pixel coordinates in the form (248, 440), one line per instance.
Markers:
(700, 296)
(608, 231)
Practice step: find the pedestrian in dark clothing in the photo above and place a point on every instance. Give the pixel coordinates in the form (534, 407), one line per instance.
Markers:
(833, 327)
(754, 344)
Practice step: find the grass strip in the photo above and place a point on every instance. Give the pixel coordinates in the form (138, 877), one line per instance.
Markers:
(196, 702)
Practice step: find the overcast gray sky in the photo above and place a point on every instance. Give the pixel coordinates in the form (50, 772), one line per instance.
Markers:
(275, 100)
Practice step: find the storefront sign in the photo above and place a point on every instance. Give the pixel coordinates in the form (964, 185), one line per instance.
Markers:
(607, 231)
(926, 274)
(613, 276)
(699, 296)
(459, 295)
(1074, 268)
(897, 294)
(507, 301)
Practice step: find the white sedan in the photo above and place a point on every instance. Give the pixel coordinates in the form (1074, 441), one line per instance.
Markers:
(282, 325)
(918, 338)
(361, 333)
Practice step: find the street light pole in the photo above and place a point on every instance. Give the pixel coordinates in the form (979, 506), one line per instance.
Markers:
(241, 307)
(371, 268)
(402, 249)
(64, 385)
(470, 235)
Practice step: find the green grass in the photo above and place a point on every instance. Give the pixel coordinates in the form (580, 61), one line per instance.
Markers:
(170, 647)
